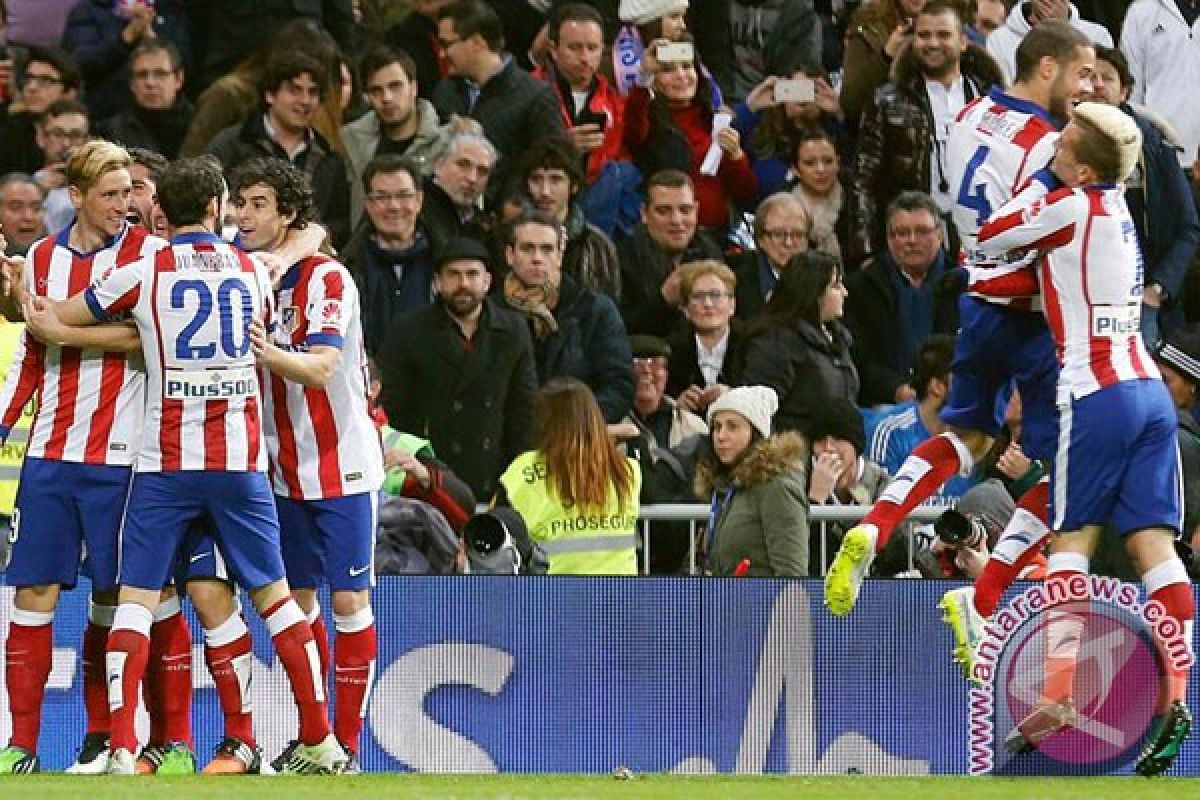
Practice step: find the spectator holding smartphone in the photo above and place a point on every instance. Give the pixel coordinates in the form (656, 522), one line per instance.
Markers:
(592, 109)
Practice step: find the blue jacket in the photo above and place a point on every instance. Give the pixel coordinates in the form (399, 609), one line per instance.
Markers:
(93, 35)
(1167, 227)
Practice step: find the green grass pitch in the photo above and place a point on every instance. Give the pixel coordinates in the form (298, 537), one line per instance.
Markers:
(569, 787)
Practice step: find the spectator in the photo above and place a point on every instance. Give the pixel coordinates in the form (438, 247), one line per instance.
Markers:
(235, 96)
(771, 130)
(551, 176)
(592, 110)
(21, 221)
(651, 259)
(645, 21)
(781, 232)
(902, 138)
(232, 30)
(816, 183)
(1159, 198)
(49, 75)
(990, 15)
(484, 84)
(577, 333)
(838, 474)
(1178, 359)
(672, 128)
(161, 114)
(743, 41)
(755, 484)
(399, 122)
(102, 35)
(290, 91)
(1024, 17)
(896, 301)
(706, 351)
(460, 372)
(798, 345)
(61, 128)
(350, 93)
(898, 431)
(577, 494)
(658, 422)
(144, 172)
(879, 29)
(390, 256)
(417, 35)
(454, 193)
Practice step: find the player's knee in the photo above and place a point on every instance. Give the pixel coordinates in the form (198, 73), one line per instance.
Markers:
(105, 597)
(42, 599)
(349, 602)
(214, 602)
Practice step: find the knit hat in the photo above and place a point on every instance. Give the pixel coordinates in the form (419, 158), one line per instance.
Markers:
(991, 504)
(642, 12)
(1120, 128)
(756, 403)
(1180, 350)
(841, 420)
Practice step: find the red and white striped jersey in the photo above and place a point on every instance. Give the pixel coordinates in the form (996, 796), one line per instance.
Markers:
(323, 442)
(193, 302)
(89, 402)
(1091, 277)
(996, 146)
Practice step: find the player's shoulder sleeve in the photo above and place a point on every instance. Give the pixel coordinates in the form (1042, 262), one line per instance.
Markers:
(118, 289)
(332, 303)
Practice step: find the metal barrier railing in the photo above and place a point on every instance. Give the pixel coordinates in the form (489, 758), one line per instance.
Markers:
(818, 516)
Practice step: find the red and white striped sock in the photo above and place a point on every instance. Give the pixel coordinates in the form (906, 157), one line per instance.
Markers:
(933, 462)
(128, 653)
(228, 651)
(1020, 544)
(298, 653)
(1168, 583)
(169, 676)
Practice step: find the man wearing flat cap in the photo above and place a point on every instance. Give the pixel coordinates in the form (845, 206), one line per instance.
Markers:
(461, 373)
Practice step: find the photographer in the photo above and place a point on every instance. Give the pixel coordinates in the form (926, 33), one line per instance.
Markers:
(965, 535)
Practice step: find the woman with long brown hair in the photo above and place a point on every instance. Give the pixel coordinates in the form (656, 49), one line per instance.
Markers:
(577, 494)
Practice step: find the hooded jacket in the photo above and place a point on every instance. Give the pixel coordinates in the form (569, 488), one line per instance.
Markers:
(1002, 43)
(761, 508)
(1165, 62)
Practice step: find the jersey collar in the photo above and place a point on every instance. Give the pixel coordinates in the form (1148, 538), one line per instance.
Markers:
(1025, 106)
(197, 237)
(63, 239)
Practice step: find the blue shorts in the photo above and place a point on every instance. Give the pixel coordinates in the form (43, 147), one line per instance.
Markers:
(238, 507)
(995, 349)
(330, 540)
(61, 507)
(1118, 461)
(199, 557)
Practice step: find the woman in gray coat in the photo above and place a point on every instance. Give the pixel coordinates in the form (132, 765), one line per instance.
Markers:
(757, 487)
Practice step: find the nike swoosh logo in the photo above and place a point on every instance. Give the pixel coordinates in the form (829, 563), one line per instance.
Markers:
(354, 573)
(198, 556)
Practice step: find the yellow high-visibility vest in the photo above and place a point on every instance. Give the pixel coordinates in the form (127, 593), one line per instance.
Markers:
(12, 452)
(595, 542)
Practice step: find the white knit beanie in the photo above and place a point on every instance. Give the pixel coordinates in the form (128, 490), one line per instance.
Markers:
(1120, 128)
(756, 403)
(642, 12)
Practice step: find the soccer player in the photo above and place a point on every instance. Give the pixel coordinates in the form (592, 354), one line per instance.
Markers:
(76, 477)
(997, 144)
(200, 454)
(326, 458)
(1117, 461)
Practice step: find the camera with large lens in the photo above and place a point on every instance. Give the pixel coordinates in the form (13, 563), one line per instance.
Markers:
(956, 529)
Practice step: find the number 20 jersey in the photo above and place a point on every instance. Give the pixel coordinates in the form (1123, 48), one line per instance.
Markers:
(193, 303)
(996, 145)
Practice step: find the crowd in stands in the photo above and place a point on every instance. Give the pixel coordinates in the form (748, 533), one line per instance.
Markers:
(713, 233)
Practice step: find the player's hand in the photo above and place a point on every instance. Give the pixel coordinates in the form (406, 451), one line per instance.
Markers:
(41, 319)
(410, 464)
(274, 264)
(261, 345)
(1013, 463)
(827, 470)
